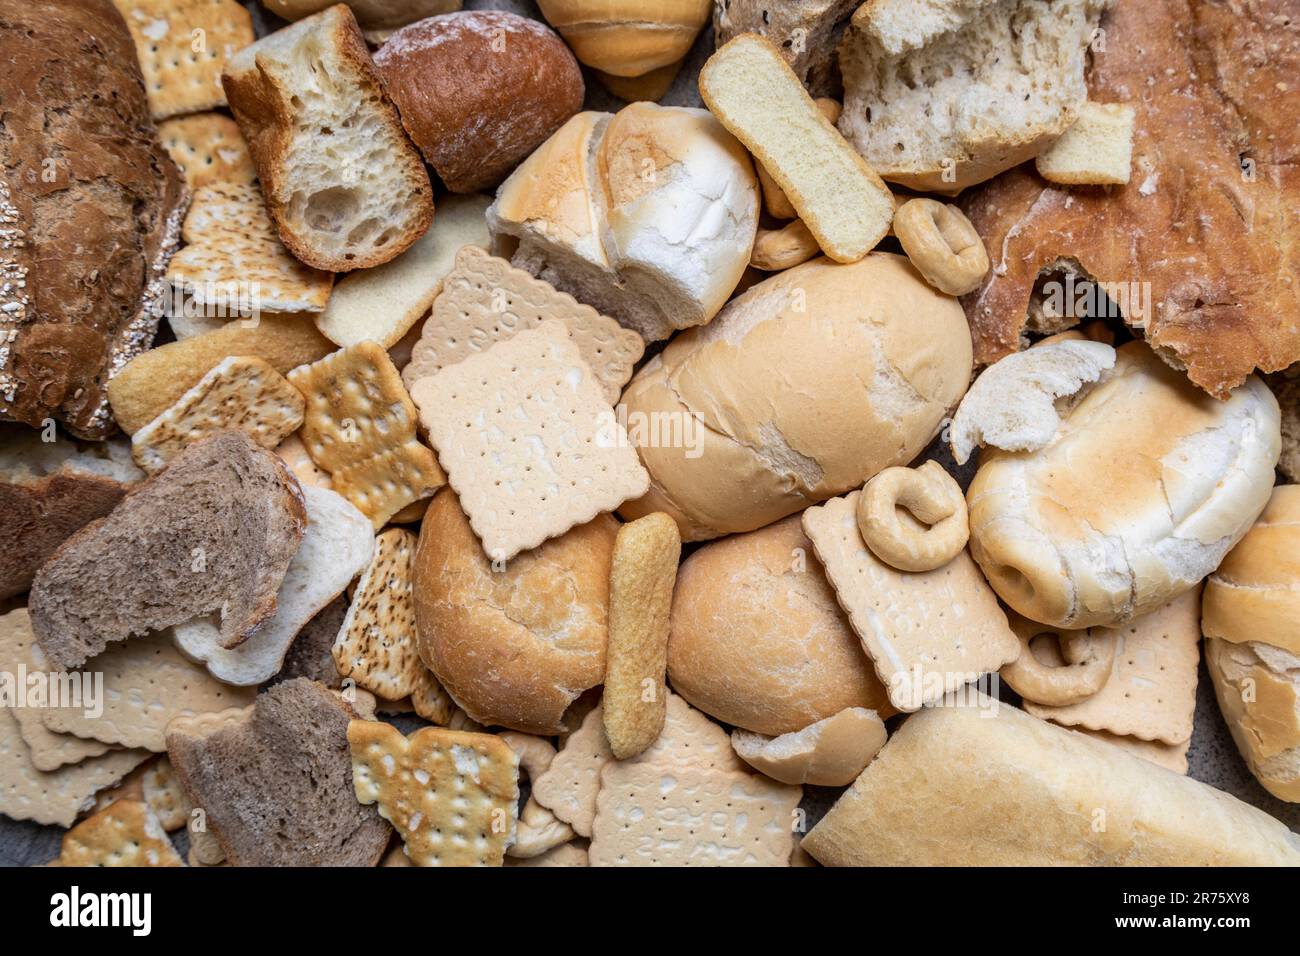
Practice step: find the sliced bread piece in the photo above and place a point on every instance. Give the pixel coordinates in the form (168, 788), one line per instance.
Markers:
(346, 188)
(757, 97)
(948, 93)
(1096, 151)
(275, 780)
(214, 532)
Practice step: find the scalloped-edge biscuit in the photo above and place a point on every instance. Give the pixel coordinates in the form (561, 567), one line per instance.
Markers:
(528, 440)
(1170, 756)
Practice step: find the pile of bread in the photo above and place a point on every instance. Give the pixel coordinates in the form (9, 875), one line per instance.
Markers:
(600, 469)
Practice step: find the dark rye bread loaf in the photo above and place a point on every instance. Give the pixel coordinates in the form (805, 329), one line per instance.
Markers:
(90, 211)
(212, 532)
(276, 781)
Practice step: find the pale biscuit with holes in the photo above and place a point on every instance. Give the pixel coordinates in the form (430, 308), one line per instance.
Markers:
(570, 785)
(485, 300)
(165, 796)
(243, 393)
(208, 148)
(1151, 693)
(124, 834)
(641, 579)
(147, 683)
(651, 814)
(183, 46)
(234, 261)
(450, 795)
(927, 633)
(529, 442)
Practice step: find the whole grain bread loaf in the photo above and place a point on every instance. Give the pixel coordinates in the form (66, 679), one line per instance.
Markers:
(90, 211)
(214, 531)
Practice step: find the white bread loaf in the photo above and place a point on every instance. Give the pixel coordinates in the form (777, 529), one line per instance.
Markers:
(969, 786)
(953, 93)
(1145, 487)
(1250, 615)
(801, 389)
(648, 215)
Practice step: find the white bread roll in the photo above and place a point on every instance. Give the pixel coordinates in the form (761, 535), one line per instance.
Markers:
(1145, 487)
(967, 786)
(1250, 615)
(801, 389)
(648, 215)
(758, 640)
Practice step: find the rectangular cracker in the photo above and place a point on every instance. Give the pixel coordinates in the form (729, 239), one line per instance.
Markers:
(528, 440)
(183, 46)
(487, 300)
(382, 304)
(242, 392)
(641, 579)
(125, 833)
(753, 92)
(650, 814)
(147, 682)
(927, 633)
(451, 796)
(208, 148)
(385, 485)
(335, 548)
(56, 797)
(235, 261)
(1151, 692)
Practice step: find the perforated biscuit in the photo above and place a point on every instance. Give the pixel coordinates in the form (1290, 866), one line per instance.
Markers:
(208, 148)
(124, 834)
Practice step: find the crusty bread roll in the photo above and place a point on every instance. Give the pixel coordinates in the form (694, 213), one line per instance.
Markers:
(801, 389)
(758, 640)
(1250, 615)
(1146, 485)
(970, 786)
(515, 646)
(648, 215)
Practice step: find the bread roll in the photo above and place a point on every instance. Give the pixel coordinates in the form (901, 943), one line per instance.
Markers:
(801, 389)
(512, 647)
(479, 90)
(1250, 615)
(626, 38)
(648, 215)
(969, 786)
(758, 640)
(1146, 485)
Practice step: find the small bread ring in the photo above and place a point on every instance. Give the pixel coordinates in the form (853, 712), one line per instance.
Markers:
(1089, 656)
(538, 829)
(942, 244)
(933, 498)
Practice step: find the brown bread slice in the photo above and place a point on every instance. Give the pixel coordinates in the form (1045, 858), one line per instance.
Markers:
(275, 781)
(212, 532)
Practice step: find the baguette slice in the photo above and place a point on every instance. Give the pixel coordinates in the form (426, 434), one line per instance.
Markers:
(345, 187)
(214, 532)
(757, 97)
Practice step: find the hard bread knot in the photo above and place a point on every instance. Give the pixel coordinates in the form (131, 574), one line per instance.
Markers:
(1088, 655)
(942, 244)
(913, 519)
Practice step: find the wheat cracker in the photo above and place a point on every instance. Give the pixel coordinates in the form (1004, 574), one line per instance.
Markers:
(208, 148)
(124, 834)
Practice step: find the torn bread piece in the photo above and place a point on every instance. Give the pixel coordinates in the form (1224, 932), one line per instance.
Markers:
(126, 833)
(829, 753)
(1096, 151)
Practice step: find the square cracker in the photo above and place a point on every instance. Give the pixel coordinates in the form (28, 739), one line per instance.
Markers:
(385, 484)
(165, 796)
(208, 148)
(452, 796)
(570, 785)
(183, 46)
(927, 633)
(485, 300)
(27, 793)
(46, 749)
(243, 393)
(125, 833)
(1151, 692)
(528, 440)
(147, 682)
(650, 814)
(234, 260)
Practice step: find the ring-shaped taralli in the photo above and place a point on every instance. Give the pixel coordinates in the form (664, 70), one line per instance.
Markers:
(1089, 656)
(942, 244)
(931, 496)
(538, 829)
